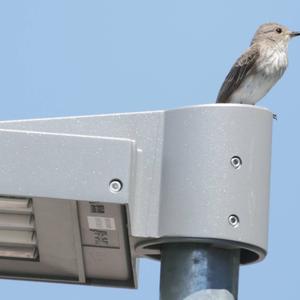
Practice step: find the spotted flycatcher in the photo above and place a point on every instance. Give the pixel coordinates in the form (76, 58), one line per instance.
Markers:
(259, 67)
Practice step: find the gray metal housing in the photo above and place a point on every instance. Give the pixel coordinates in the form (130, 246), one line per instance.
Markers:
(180, 179)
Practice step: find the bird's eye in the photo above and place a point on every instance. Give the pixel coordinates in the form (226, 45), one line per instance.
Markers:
(278, 30)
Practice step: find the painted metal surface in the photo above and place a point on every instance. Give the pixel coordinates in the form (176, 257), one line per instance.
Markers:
(191, 175)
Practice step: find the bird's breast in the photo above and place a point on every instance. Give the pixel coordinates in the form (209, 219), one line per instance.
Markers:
(272, 62)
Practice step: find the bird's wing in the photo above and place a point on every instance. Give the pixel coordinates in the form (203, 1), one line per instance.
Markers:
(237, 74)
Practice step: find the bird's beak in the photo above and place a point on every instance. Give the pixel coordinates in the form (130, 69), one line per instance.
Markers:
(294, 33)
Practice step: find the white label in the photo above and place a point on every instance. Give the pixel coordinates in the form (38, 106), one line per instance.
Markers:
(101, 223)
(211, 295)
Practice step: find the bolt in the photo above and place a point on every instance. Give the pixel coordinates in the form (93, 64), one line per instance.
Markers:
(236, 162)
(115, 185)
(234, 220)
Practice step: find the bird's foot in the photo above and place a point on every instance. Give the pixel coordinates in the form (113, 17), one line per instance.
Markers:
(275, 117)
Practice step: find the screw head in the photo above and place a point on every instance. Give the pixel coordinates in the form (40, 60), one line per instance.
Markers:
(236, 162)
(234, 220)
(115, 185)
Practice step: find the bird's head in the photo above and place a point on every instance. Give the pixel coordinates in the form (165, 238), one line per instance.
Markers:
(274, 32)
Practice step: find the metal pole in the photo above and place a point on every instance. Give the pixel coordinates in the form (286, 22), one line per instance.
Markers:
(188, 268)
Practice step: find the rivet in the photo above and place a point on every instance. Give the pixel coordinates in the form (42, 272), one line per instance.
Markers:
(234, 220)
(236, 162)
(115, 185)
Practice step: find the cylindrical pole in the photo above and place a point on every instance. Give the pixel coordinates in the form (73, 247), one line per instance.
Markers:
(191, 268)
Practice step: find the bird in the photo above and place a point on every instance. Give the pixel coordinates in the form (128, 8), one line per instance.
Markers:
(259, 68)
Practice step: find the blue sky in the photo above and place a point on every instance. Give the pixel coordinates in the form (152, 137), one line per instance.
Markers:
(61, 58)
